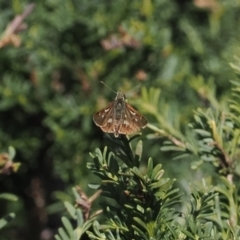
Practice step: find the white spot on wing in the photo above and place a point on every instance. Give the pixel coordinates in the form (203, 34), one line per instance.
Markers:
(133, 113)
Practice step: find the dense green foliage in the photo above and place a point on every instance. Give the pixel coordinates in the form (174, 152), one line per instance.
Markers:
(172, 60)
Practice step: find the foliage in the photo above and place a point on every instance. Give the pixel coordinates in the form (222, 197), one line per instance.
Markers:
(7, 166)
(83, 219)
(144, 204)
(53, 55)
(140, 198)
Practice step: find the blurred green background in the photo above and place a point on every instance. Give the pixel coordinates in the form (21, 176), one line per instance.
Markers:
(49, 88)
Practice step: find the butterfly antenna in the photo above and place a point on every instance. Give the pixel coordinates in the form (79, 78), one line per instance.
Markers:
(107, 86)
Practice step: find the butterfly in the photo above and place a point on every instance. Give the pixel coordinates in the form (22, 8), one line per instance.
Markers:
(119, 117)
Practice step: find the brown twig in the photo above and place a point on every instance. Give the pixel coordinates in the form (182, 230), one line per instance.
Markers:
(86, 202)
(16, 25)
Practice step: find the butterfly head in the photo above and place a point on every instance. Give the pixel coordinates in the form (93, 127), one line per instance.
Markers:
(120, 95)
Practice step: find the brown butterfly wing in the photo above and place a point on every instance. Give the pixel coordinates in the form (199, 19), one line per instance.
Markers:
(104, 118)
(139, 120)
(127, 129)
(132, 121)
(109, 127)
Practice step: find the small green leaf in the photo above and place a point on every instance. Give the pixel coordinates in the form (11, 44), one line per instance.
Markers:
(57, 237)
(140, 222)
(149, 213)
(172, 148)
(196, 164)
(150, 166)
(78, 233)
(76, 194)
(63, 234)
(68, 227)
(139, 149)
(11, 152)
(159, 175)
(140, 208)
(156, 170)
(8, 196)
(6, 219)
(138, 173)
(71, 209)
(80, 219)
(189, 234)
(143, 236)
(202, 132)
(94, 186)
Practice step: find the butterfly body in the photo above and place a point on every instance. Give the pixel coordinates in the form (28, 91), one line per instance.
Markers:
(119, 117)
